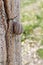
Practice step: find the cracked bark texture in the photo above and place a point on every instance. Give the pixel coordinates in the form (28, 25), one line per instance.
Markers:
(11, 41)
(9, 7)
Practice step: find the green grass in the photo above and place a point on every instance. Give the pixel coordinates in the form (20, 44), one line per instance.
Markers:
(27, 29)
(24, 17)
(40, 53)
(35, 19)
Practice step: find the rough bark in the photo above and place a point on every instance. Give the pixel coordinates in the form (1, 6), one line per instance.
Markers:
(3, 27)
(13, 41)
(18, 60)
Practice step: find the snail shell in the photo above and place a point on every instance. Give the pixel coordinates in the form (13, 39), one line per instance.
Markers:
(17, 28)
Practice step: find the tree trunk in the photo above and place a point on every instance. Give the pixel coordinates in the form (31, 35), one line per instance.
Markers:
(10, 44)
(13, 41)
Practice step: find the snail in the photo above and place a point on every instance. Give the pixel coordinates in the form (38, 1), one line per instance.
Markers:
(17, 28)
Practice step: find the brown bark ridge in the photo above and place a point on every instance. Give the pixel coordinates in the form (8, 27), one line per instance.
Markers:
(10, 45)
(9, 7)
(3, 28)
(12, 40)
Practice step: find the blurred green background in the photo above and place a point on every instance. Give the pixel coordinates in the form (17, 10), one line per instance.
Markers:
(32, 20)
